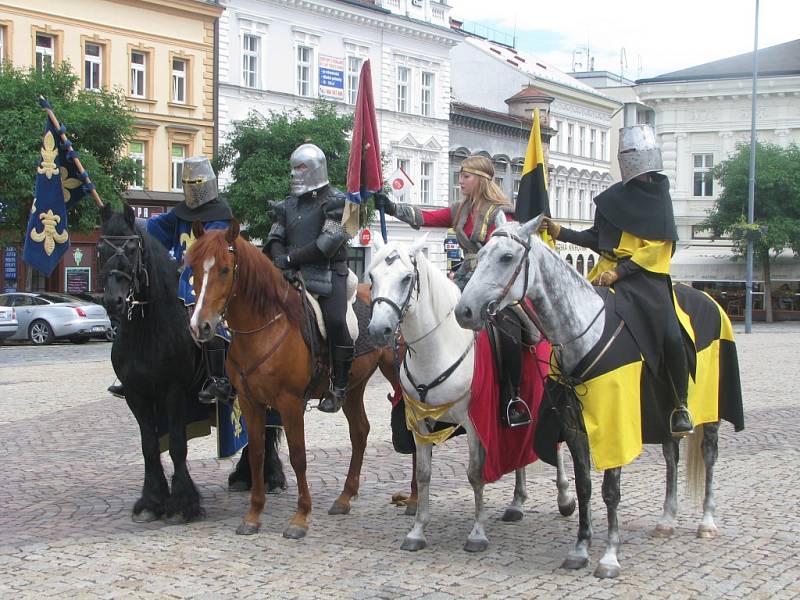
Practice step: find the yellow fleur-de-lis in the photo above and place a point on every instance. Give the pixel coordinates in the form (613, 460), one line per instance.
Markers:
(49, 152)
(186, 240)
(33, 206)
(48, 234)
(68, 183)
(236, 421)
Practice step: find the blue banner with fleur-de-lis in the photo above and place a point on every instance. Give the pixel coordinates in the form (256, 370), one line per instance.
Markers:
(57, 188)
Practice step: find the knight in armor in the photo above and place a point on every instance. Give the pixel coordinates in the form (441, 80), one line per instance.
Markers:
(307, 237)
(634, 233)
(174, 229)
(481, 208)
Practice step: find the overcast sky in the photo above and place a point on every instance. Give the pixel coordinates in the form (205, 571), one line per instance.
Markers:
(658, 37)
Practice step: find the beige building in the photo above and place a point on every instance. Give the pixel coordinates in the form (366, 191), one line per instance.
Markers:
(160, 52)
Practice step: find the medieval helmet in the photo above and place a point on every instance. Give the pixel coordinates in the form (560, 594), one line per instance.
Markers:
(309, 169)
(199, 181)
(638, 152)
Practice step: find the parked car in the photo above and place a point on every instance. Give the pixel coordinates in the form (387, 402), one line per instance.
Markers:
(45, 316)
(97, 298)
(8, 322)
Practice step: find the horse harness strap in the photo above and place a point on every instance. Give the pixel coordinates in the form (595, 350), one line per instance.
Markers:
(244, 373)
(138, 269)
(604, 350)
(423, 389)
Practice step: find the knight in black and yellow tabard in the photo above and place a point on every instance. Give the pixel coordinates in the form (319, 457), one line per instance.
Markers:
(634, 233)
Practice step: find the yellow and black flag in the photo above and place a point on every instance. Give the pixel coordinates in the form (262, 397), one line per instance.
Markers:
(532, 199)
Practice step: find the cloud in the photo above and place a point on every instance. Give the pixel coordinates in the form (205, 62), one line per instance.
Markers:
(662, 37)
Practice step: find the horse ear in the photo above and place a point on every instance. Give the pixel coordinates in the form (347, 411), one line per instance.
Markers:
(106, 212)
(130, 215)
(417, 246)
(198, 229)
(378, 245)
(530, 227)
(233, 231)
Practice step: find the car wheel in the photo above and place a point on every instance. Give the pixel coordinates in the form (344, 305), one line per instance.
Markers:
(112, 331)
(79, 340)
(40, 333)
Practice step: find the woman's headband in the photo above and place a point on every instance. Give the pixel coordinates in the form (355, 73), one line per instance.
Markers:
(477, 172)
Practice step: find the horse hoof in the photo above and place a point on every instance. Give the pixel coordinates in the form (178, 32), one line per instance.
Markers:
(707, 532)
(176, 519)
(247, 528)
(413, 544)
(295, 532)
(238, 486)
(339, 508)
(573, 563)
(606, 571)
(664, 531)
(477, 545)
(145, 516)
(512, 515)
(411, 509)
(568, 508)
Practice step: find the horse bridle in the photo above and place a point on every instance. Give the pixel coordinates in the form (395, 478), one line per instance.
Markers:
(138, 268)
(400, 310)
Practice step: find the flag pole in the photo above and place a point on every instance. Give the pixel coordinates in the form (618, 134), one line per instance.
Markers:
(65, 140)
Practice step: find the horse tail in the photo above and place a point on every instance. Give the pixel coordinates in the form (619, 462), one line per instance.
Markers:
(695, 467)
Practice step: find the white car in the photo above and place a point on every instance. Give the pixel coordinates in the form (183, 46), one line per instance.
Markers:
(45, 316)
(8, 322)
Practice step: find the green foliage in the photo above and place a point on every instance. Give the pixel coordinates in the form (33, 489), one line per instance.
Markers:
(777, 200)
(258, 152)
(98, 123)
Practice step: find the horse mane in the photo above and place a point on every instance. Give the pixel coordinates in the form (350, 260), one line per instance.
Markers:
(259, 282)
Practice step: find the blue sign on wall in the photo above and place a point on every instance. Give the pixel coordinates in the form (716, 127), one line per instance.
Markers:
(10, 264)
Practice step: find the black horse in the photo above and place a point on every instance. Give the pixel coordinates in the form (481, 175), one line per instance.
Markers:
(157, 362)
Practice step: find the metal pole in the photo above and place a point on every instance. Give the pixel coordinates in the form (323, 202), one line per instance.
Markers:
(751, 190)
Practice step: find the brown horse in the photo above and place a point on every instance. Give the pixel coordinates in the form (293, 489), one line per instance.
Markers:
(270, 363)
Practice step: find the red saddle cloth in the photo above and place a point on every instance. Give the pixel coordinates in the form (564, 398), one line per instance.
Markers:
(507, 448)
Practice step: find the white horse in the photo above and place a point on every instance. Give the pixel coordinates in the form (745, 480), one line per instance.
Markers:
(411, 295)
(513, 264)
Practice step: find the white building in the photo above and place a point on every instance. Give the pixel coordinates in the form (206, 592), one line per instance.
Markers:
(285, 54)
(700, 115)
(494, 88)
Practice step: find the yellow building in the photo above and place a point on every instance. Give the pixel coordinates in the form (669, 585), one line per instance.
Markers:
(161, 52)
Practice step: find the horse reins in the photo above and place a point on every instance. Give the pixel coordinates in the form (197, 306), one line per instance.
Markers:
(138, 269)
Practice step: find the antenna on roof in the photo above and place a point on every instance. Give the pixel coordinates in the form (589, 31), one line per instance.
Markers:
(514, 39)
(623, 63)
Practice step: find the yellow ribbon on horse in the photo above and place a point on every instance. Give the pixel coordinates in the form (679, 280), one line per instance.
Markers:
(417, 411)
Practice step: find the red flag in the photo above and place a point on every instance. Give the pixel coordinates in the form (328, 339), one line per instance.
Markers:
(364, 176)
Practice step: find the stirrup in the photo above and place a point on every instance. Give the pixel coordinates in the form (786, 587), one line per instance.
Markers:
(332, 402)
(680, 434)
(516, 402)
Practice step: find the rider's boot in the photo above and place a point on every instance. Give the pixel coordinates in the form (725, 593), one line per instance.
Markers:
(341, 359)
(514, 412)
(680, 421)
(117, 390)
(217, 387)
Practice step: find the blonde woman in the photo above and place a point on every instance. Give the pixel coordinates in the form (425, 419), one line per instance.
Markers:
(474, 217)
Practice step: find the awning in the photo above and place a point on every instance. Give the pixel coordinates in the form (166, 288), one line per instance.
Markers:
(717, 263)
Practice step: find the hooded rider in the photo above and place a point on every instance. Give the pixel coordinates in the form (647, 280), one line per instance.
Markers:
(634, 233)
(174, 230)
(308, 237)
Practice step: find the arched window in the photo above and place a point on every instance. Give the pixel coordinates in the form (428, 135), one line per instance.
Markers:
(579, 264)
(569, 259)
(590, 263)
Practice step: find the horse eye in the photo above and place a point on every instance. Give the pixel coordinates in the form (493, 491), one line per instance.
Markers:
(507, 257)
(224, 270)
(407, 278)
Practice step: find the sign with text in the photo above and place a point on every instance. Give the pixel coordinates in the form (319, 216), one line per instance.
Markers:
(78, 280)
(10, 264)
(145, 212)
(331, 77)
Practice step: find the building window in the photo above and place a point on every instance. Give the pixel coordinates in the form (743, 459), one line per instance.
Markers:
(353, 76)
(582, 209)
(251, 45)
(582, 141)
(92, 66)
(592, 144)
(570, 138)
(305, 70)
(645, 117)
(179, 80)
(3, 56)
(559, 197)
(703, 180)
(425, 182)
(592, 194)
(602, 145)
(137, 154)
(515, 189)
(403, 75)
(426, 106)
(556, 141)
(138, 74)
(455, 186)
(570, 199)
(579, 264)
(45, 51)
(178, 156)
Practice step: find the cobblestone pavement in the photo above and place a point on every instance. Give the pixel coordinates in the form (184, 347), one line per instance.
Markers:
(72, 469)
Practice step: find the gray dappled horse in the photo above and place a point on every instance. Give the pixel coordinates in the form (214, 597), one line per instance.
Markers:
(411, 295)
(515, 263)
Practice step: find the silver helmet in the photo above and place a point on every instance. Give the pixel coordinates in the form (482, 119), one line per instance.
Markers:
(638, 152)
(309, 169)
(199, 181)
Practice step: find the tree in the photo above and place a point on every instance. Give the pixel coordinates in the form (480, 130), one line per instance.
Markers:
(98, 123)
(258, 151)
(777, 205)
